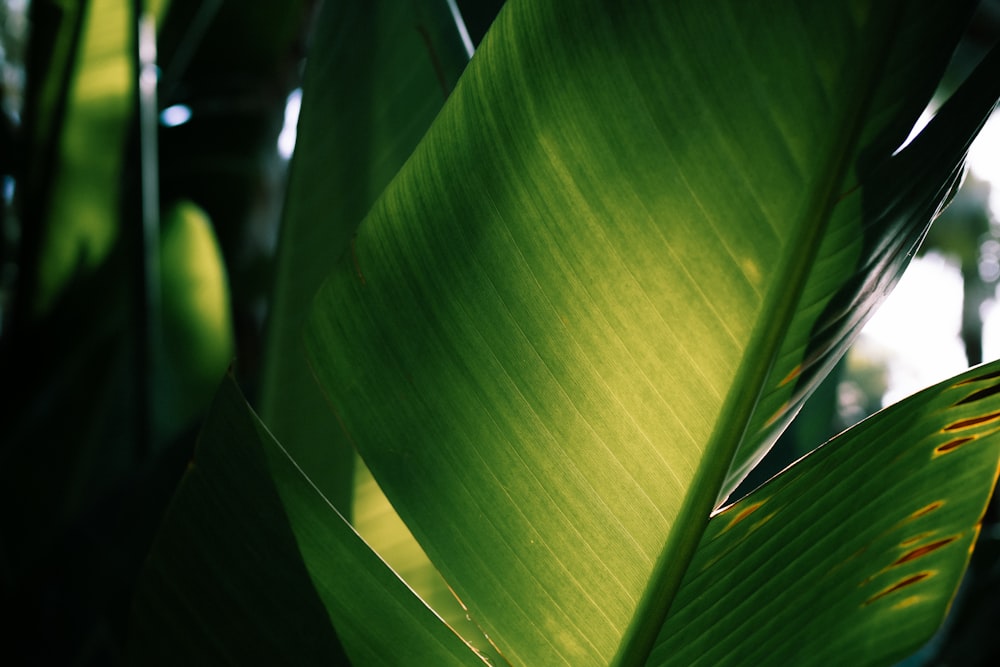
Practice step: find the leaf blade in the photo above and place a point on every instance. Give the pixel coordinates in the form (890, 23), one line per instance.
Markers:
(251, 544)
(779, 555)
(535, 324)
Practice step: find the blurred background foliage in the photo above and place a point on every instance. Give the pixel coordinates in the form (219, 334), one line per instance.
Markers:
(113, 339)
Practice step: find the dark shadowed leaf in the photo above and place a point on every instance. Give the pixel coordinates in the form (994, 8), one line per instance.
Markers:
(254, 566)
(375, 80)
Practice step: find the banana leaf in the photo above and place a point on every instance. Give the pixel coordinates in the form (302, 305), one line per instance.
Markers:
(630, 244)
(253, 565)
(853, 554)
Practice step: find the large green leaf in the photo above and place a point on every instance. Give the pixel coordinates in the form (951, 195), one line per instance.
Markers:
(552, 331)
(853, 554)
(254, 566)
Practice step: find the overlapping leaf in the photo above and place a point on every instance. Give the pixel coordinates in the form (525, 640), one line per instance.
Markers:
(370, 92)
(853, 554)
(550, 334)
(373, 85)
(254, 566)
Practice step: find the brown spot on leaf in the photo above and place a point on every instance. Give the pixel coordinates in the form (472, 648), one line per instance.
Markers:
(979, 378)
(951, 445)
(791, 376)
(974, 421)
(744, 513)
(898, 586)
(923, 551)
(926, 509)
(980, 395)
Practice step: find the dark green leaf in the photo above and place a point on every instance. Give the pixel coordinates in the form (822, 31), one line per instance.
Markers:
(253, 566)
(852, 555)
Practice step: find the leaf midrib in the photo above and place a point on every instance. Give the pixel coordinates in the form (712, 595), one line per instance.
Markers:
(734, 417)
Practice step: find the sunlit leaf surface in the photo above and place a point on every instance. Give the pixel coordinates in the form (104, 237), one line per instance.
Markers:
(550, 334)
